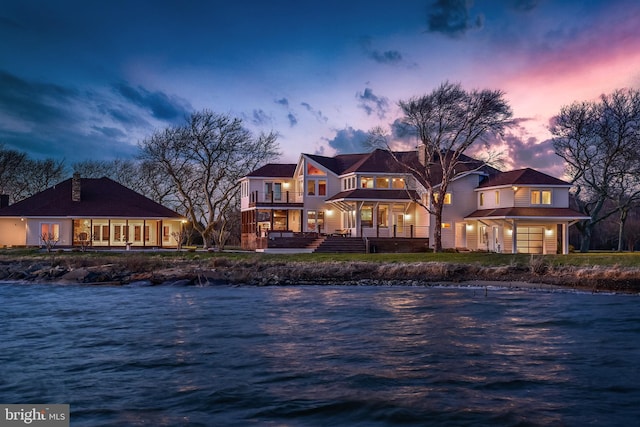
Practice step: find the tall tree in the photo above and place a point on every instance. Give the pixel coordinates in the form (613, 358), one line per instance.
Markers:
(204, 159)
(600, 142)
(448, 121)
(21, 176)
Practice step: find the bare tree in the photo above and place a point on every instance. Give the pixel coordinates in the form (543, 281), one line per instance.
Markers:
(204, 160)
(21, 176)
(447, 122)
(600, 142)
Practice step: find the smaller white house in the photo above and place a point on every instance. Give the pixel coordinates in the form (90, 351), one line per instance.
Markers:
(371, 195)
(96, 212)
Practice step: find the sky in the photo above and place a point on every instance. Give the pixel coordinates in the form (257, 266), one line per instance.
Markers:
(90, 80)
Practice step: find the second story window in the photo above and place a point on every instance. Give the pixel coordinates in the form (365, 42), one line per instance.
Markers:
(273, 191)
(382, 182)
(539, 197)
(322, 187)
(497, 193)
(447, 198)
(311, 188)
(397, 183)
(481, 200)
(366, 182)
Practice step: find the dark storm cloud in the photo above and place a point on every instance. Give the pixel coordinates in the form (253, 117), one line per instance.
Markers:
(524, 5)
(316, 113)
(34, 101)
(452, 18)
(349, 140)
(371, 103)
(161, 105)
(109, 132)
(390, 57)
(260, 118)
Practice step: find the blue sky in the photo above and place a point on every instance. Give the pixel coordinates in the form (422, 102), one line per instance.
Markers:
(86, 80)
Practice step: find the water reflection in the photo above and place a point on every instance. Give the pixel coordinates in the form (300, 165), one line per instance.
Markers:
(321, 356)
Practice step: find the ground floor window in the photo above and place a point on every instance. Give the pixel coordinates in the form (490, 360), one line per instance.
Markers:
(315, 221)
(366, 216)
(349, 219)
(50, 231)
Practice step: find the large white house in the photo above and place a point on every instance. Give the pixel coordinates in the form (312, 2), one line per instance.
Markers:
(373, 196)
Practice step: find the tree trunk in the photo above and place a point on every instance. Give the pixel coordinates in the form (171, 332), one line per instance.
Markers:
(585, 237)
(623, 220)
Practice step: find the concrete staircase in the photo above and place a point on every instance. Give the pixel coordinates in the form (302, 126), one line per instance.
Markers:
(333, 244)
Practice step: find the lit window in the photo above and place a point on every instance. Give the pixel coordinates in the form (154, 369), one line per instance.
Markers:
(446, 225)
(322, 187)
(312, 170)
(481, 199)
(311, 188)
(382, 182)
(366, 182)
(497, 198)
(397, 183)
(540, 197)
(447, 198)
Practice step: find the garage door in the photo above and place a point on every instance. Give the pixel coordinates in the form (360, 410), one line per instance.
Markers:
(530, 240)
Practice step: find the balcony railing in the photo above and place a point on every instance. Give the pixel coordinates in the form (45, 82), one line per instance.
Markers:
(257, 198)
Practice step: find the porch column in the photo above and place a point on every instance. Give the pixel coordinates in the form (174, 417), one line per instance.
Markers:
(514, 238)
(565, 238)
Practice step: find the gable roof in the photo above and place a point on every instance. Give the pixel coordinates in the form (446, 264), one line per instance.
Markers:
(275, 170)
(526, 176)
(100, 198)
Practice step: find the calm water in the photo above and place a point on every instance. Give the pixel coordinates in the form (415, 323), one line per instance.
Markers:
(321, 356)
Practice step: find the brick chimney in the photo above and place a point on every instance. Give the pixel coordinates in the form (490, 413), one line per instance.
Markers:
(75, 187)
(4, 200)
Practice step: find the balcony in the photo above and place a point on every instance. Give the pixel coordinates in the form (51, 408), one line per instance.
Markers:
(284, 199)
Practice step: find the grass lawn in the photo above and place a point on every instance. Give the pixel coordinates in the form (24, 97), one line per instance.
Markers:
(624, 259)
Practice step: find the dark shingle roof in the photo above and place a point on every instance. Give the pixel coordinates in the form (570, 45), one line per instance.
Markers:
(100, 198)
(275, 170)
(525, 176)
(528, 212)
(374, 194)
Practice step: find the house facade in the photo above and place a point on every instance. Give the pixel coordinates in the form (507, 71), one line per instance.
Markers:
(373, 195)
(89, 212)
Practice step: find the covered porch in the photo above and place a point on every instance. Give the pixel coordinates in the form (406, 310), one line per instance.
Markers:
(377, 213)
(519, 230)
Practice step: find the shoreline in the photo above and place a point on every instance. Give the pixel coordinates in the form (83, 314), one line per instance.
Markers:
(137, 271)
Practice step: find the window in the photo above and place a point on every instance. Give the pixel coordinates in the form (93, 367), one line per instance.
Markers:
(382, 182)
(397, 183)
(446, 225)
(165, 233)
(312, 170)
(383, 216)
(311, 188)
(50, 232)
(322, 187)
(540, 197)
(272, 191)
(366, 216)
(447, 198)
(497, 198)
(481, 199)
(315, 221)
(366, 182)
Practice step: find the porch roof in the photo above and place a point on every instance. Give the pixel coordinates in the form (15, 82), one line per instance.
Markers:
(373, 194)
(551, 214)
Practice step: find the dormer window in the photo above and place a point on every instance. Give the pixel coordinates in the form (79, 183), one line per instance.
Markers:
(540, 197)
